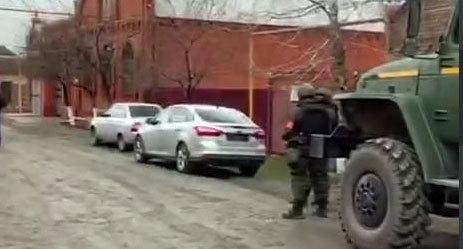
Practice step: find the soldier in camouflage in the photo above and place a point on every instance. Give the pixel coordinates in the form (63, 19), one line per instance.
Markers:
(316, 114)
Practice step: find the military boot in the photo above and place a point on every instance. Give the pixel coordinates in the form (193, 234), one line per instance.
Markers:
(321, 211)
(295, 212)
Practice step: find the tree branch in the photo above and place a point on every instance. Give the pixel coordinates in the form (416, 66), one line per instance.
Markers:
(173, 79)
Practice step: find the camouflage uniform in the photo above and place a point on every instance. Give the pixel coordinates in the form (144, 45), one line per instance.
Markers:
(316, 115)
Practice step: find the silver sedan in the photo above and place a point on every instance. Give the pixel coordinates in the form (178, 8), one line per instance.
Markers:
(190, 135)
(120, 123)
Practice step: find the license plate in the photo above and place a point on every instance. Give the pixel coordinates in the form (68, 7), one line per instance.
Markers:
(238, 137)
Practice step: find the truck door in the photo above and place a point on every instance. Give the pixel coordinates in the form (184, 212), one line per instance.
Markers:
(439, 88)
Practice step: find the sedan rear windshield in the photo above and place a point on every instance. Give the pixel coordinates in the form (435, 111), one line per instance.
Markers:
(143, 111)
(222, 115)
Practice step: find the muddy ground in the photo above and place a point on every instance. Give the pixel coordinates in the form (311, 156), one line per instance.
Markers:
(56, 191)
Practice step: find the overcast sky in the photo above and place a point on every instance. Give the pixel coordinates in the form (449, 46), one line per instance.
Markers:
(14, 25)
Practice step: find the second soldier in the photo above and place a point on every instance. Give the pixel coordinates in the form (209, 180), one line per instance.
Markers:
(316, 114)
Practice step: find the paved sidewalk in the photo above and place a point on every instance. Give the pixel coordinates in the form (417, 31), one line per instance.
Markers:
(18, 119)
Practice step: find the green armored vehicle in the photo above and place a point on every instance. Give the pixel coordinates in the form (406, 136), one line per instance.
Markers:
(400, 134)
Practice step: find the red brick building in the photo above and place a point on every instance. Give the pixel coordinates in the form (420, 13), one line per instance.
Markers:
(249, 65)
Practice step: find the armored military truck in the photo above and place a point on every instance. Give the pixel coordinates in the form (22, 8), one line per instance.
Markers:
(400, 135)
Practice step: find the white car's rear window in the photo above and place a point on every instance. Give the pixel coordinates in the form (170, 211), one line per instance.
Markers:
(143, 111)
(222, 115)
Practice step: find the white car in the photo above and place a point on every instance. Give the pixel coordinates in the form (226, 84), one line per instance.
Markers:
(120, 123)
(202, 134)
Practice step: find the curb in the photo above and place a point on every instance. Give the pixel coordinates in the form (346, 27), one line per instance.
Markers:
(7, 121)
(82, 123)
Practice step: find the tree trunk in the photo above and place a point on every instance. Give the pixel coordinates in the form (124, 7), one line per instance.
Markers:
(65, 93)
(337, 50)
(339, 55)
(189, 93)
(106, 88)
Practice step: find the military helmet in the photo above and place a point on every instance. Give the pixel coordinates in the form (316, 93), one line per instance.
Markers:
(324, 94)
(306, 91)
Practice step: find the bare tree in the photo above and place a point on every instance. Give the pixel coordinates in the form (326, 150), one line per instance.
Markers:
(193, 74)
(52, 54)
(330, 8)
(194, 44)
(97, 51)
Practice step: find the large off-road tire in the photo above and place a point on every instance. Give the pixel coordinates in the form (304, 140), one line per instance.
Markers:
(383, 205)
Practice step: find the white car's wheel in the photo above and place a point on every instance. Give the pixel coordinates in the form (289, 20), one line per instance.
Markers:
(94, 140)
(183, 163)
(121, 144)
(139, 150)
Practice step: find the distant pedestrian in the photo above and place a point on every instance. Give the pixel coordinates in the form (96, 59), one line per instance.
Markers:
(2, 105)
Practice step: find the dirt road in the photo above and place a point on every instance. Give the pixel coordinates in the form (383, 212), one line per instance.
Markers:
(58, 192)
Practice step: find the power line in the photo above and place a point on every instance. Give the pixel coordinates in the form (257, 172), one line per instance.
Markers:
(37, 11)
(26, 4)
(63, 6)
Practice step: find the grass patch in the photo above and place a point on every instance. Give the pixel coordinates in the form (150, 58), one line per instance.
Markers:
(275, 168)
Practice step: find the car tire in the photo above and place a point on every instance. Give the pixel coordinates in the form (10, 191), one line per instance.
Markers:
(94, 140)
(249, 170)
(121, 144)
(382, 197)
(139, 150)
(183, 163)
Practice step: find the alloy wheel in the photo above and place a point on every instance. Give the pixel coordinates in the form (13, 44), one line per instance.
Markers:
(182, 158)
(138, 150)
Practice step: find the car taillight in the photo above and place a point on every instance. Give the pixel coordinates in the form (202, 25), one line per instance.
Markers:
(260, 134)
(135, 126)
(203, 131)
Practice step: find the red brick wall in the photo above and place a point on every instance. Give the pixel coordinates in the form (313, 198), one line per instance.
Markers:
(221, 54)
(298, 51)
(90, 11)
(130, 8)
(49, 100)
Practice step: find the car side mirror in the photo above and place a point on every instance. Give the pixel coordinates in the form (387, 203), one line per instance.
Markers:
(105, 115)
(153, 121)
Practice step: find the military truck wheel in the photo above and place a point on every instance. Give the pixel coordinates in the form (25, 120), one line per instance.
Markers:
(382, 200)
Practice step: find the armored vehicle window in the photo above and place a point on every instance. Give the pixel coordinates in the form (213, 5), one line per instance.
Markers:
(456, 33)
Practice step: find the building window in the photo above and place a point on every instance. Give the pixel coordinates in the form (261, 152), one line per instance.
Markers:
(108, 9)
(456, 32)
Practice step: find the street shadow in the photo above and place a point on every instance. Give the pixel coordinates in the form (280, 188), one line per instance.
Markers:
(216, 172)
(203, 170)
(440, 240)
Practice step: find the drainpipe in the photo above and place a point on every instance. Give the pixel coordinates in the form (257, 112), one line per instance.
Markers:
(269, 120)
(251, 77)
(20, 99)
